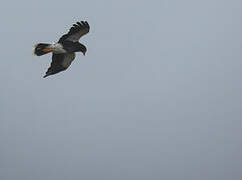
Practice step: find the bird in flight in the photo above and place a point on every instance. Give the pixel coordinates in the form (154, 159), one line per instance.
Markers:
(63, 52)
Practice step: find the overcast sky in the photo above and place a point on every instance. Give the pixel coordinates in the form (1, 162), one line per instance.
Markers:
(157, 96)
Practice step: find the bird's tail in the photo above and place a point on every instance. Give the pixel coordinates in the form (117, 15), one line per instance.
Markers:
(42, 48)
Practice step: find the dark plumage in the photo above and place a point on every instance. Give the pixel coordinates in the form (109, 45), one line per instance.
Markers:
(64, 50)
(76, 32)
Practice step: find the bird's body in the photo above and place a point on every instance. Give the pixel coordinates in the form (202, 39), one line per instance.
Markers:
(58, 48)
(63, 52)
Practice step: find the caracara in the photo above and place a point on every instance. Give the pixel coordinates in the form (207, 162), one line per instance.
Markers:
(63, 52)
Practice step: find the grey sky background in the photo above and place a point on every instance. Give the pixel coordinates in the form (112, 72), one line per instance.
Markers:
(158, 95)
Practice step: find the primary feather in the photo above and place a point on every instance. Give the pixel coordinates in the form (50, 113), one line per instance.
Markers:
(76, 32)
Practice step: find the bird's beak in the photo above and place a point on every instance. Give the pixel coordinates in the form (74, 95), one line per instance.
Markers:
(84, 53)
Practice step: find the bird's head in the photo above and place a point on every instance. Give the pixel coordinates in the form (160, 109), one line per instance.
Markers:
(82, 48)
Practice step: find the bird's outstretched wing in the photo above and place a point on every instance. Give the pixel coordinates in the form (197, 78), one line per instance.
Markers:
(60, 62)
(76, 32)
